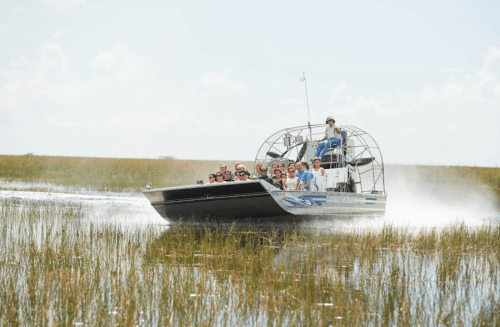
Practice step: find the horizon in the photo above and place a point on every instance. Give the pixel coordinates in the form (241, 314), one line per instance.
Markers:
(228, 162)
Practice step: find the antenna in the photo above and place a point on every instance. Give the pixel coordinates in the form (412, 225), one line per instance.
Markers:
(303, 79)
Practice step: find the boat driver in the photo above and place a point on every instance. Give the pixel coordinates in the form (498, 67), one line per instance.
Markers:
(333, 136)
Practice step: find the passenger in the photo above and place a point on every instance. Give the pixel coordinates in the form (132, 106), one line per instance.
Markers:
(236, 170)
(292, 183)
(228, 177)
(264, 176)
(245, 170)
(278, 181)
(242, 176)
(211, 178)
(236, 173)
(283, 173)
(318, 173)
(333, 136)
(239, 169)
(305, 166)
(273, 169)
(256, 174)
(223, 168)
(200, 182)
(304, 174)
(220, 178)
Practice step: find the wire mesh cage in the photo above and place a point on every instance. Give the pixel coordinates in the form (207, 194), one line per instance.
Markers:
(358, 152)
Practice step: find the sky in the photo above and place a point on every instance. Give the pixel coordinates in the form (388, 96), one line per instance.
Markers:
(214, 79)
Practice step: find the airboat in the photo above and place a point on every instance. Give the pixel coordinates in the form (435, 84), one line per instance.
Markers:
(353, 184)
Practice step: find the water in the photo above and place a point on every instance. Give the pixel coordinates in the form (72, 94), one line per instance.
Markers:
(412, 201)
(124, 209)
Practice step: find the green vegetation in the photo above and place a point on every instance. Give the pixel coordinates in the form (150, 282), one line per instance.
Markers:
(107, 174)
(119, 175)
(58, 267)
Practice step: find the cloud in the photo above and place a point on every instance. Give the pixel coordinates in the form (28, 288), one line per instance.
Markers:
(58, 34)
(453, 70)
(26, 79)
(220, 80)
(52, 56)
(49, 77)
(120, 63)
(4, 28)
(62, 4)
(454, 115)
(16, 10)
(480, 87)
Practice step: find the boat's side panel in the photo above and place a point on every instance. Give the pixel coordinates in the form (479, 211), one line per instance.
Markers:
(230, 200)
(321, 203)
(256, 200)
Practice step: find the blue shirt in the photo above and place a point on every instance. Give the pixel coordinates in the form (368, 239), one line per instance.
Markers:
(304, 176)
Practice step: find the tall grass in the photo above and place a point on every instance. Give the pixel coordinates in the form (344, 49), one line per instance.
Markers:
(118, 174)
(107, 174)
(57, 267)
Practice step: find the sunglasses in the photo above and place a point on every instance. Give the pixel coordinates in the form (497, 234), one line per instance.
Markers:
(211, 176)
(241, 175)
(263, 170)
(219, 175)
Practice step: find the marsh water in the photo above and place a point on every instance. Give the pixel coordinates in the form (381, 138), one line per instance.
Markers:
(78, 257)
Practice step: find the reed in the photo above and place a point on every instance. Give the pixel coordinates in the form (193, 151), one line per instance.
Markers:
(107, 174)
(58, 267)
(130, 175)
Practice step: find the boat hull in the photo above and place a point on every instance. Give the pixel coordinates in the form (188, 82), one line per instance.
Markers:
(257, 201)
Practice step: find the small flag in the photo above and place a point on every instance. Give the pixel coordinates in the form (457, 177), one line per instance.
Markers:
(303, 78)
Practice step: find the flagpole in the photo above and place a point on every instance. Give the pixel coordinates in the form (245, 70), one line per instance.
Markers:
(308, 113)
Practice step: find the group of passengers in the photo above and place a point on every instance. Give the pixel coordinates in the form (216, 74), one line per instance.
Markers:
(296, 176)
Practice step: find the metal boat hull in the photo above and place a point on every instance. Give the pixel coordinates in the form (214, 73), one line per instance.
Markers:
(256, 201)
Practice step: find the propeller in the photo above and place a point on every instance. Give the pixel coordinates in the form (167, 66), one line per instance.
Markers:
(361, 161)
(301, 152)
(274, 155)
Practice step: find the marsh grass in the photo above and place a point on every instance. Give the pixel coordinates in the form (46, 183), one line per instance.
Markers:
(107, 174)
(130, 175)
(57, 267)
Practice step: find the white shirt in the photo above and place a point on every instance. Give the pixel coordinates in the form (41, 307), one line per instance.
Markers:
(330, 132)
(291, 183)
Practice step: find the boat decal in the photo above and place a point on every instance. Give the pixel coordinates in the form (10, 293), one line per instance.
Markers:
(344, 199)
(370, 200)
(306, 200)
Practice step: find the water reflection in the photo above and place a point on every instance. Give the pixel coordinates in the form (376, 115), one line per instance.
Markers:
(353, 273)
